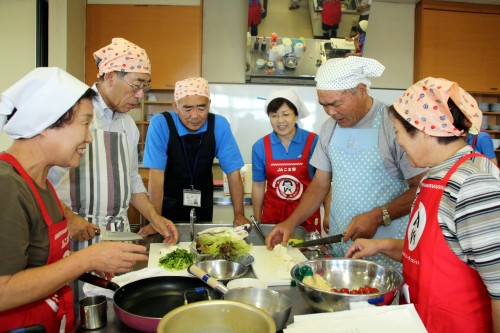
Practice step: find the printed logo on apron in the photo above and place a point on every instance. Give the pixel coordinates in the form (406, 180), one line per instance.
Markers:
(288, 187)
(416, 227)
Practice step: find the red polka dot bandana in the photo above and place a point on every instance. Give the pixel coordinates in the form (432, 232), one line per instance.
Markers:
(425, 106)
(122, 56)
(190, 87)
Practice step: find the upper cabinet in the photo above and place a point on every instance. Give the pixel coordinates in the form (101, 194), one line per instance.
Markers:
(459, 42)
(171, 35)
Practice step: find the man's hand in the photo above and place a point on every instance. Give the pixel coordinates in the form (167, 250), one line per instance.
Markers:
(241, 220)
(162, 225)
(80, 229)
(364, 225)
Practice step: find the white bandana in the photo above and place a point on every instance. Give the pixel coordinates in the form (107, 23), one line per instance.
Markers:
(41, 97)
(347, 73)
(292, 97)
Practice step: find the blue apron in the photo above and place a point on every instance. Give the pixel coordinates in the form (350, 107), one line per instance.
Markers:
(361, 183)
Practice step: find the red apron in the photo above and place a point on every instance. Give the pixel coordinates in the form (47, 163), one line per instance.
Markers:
(448, 295)
(332, 12)
(253, 12)
(287, 180)
(49, 311)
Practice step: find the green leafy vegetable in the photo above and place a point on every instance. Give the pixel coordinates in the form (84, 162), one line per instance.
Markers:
(221, 246)
(177, 260)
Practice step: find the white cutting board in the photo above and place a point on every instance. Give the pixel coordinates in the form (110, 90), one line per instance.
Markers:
(274, 270)
(154, 256)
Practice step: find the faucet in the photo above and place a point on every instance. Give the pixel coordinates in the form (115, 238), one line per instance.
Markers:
(192, 219)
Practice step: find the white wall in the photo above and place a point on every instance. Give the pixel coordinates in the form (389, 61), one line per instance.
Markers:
(18, 39)
(390, 40)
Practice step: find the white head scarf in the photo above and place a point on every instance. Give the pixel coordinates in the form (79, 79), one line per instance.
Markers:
(292, 97)
(347, 73)
(41, 97)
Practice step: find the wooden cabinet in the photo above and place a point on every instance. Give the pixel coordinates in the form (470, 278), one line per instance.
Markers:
(171, 35)
(459, 42)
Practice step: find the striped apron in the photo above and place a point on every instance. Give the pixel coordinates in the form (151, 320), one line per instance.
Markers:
(100, 186)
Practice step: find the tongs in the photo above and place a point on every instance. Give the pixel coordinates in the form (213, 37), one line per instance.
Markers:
(257, 227)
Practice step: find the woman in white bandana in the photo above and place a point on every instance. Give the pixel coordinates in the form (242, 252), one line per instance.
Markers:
(48, 113)
(281, 159)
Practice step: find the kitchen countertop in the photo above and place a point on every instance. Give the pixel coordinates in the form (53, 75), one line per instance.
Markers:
(114, 325)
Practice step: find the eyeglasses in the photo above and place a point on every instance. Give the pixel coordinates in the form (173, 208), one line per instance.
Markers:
(144, 87)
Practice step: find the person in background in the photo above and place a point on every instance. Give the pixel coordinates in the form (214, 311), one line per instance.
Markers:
(363, 7)
(281, 159)
(48, 115)
(359, 39)
(180, 149)
(255, 11)
(451, 249)
(330, 18)
(373, 184)
(107, 181)
(483, 144)
(294, 4)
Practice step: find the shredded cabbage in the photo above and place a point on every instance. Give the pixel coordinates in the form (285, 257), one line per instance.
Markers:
(225, 245)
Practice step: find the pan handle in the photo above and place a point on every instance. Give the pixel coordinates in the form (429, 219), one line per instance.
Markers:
(98, 281)
(207, 278)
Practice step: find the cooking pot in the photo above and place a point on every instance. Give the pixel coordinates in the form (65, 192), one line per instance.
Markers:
(141, 304)
(217, 316)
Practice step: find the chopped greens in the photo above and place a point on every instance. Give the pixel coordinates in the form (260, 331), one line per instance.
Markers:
(177, 260)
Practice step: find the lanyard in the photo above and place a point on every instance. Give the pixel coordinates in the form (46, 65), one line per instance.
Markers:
(191, 174)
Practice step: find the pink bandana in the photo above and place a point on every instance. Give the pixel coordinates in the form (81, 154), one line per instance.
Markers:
(122, 56)
(193, 86)
(424, 105)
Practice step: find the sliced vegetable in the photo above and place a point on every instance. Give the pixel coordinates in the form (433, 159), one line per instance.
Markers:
(177, 260)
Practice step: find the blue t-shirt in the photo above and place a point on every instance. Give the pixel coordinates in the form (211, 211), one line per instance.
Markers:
(155, 151)
(484, 145)
(295, 150)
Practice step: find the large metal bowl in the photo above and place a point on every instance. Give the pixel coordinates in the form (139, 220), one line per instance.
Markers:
(276, 304)
(351, 274)
(223, 270)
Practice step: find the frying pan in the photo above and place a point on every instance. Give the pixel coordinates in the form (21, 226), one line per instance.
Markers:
(141, 304)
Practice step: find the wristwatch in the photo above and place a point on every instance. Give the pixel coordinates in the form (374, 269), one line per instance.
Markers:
(386, 219)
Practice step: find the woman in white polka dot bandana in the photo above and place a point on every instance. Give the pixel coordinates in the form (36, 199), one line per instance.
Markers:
(451, 249)
(373, 183)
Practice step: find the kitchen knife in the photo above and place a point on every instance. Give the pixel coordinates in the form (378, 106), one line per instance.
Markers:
(321, 241)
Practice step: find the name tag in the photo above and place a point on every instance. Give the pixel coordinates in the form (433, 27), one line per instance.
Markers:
(192, 198)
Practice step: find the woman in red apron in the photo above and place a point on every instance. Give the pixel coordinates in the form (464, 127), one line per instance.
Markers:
(451, 251)
(282, 160)
(48, 113)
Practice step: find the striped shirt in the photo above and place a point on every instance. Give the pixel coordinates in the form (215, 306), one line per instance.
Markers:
(469, 215)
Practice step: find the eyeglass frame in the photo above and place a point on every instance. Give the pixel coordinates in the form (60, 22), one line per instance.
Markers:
(136, 88)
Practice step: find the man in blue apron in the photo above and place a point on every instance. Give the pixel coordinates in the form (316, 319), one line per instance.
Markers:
(373, 183)
(180, 149)
(108, 179)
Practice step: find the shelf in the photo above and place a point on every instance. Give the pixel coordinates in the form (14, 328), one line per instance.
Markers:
(157, 102)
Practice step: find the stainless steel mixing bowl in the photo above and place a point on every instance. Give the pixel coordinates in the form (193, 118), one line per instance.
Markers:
(223, 270)
(351, 274)
(276, 304)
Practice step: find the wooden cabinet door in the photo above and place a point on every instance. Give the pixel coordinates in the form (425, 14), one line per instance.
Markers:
(459, 42)
(171, 35)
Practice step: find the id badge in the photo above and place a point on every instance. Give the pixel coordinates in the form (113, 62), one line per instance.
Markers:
(192, 198)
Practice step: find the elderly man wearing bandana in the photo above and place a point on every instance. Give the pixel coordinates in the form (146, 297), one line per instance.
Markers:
(451, 249)
(180, 149)
(373, 184)
(281, 159)
(108, 180)
(49, 114)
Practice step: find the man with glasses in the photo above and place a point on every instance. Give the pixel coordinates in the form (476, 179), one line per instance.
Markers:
(99, 192)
